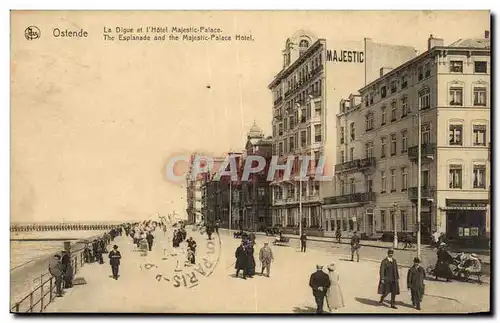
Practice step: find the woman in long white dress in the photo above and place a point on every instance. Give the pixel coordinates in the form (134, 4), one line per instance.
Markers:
(334, 297)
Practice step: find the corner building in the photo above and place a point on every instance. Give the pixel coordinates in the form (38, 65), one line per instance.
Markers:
(315, 75)
(377, 171)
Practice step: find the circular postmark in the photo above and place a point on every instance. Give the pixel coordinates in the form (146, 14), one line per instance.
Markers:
(189, 260)
(32, 33)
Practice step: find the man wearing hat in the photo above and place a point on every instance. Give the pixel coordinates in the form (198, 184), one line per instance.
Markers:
(114, 261)
(355, 246)
(389, 278)
(319, 282)
(266, 257)
(415, 283)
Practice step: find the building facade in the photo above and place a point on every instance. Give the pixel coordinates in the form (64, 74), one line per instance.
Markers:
(193, 196)
(448, 88)
(315, 75)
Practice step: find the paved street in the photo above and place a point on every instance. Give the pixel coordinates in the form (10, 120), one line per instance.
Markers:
(286, 291)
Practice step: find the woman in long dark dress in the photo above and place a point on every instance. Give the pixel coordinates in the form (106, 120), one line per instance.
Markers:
(251, 260)
(443, 264)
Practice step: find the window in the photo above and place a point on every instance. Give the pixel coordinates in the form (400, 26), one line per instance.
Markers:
(393, 180)
(424, 99)
(317, 133)
(384, 116)
(369, 150)
(342, 156)
(479, 173)
(393, 87)
(353, 186)
(383, 92)
(393, 111)
(351, 154)
(404, 141)
(303, 113)
(371, 98)
(404, 82)
(309, 135)
(286, 145)
(393, 144)
(479, 135)
(420, 73)
(480, 67)
(342, 135)
(479, 96)
(404, 178)
(382, 146)
(366, 100)
(317, 109)
(456, 66)
(425, 178)
(280, 128)
(455, 133)
(382, 220)
(427, 69)
(353, 132)
(342, 191)
(456, 95)
(280, 148)
(404, 107)
(369, 184)
(404, 220)
(455, 176)
(392, 214)
(382, 182)
(369, 121)
(303, 138)
(426, 134)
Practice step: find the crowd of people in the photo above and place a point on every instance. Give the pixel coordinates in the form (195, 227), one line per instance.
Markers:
(245, 259)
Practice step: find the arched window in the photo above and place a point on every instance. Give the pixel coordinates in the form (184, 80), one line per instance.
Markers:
(303, 43)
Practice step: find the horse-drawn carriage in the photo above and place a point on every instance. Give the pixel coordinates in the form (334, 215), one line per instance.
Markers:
(461, 267)
(282, 241)
(272, 231)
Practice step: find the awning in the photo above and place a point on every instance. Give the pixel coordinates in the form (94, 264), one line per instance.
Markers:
(464, 208)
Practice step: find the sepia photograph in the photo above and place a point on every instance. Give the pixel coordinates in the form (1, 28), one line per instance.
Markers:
(298, 162)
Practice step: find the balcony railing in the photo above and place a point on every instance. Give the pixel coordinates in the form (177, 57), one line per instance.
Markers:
(351, 198)
(278, 101)
(357, 164)
(427, 192)
(428, 151)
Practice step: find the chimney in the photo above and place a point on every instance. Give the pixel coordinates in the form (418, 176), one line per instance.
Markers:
(487, 34)
(433, 42)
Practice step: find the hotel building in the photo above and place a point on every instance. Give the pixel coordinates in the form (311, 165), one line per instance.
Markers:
(315, 75)
(376, 173)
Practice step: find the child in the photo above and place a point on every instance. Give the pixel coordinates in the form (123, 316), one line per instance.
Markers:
(415, 281)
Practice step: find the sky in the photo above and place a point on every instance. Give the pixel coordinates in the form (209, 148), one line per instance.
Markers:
(94, 122)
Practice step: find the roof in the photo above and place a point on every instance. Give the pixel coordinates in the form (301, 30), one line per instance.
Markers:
(483, 43)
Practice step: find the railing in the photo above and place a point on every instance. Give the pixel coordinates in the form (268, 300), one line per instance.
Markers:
(278, 101)
(357, 164)
(350, 198)
(428, 150)
(427, 192)
(36, 299)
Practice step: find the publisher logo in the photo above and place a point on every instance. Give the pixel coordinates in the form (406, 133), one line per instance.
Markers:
(32, 33)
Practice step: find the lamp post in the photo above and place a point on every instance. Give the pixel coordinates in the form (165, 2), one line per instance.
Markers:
(300, 206)
(419, 187)
(394, 207)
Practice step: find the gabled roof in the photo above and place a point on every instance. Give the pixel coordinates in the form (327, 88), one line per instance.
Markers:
(472, 43)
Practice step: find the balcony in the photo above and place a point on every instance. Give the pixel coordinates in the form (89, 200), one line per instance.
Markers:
(357, 164)
(351, 198)
(427, 193)
(428, 151)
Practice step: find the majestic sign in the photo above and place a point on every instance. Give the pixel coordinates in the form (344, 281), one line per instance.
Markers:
(345, 56)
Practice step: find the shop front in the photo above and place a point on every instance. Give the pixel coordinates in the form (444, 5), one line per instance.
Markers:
(466, 223)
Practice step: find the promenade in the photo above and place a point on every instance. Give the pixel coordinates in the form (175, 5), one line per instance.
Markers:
(143, 285)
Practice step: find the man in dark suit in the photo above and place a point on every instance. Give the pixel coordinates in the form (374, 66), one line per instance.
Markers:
(241, 256)
(389, 278)
(319, 282)
(114, 261)
(415, 283)
(150, 238)
(303, 239)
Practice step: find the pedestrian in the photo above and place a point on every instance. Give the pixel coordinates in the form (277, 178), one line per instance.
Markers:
(67, 270)
(149, 238)
(389, 278)
(338, 235)
(100, 251)
(303, 240)
(355, 246)
(319, 282)
(415, 283)
(209, 232)
(192, 249)
(114, 261)
(266, 258)
(334, 296)
(241, 255)
(250, 259)
(56, 270)
(217, 224)
(443, 263)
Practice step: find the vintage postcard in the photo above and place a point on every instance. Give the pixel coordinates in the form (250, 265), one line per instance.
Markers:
(252, 162)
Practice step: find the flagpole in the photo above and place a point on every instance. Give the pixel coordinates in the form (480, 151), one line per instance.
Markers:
(419, 187)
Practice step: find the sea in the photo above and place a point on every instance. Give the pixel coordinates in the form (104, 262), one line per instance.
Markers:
(26, 247)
